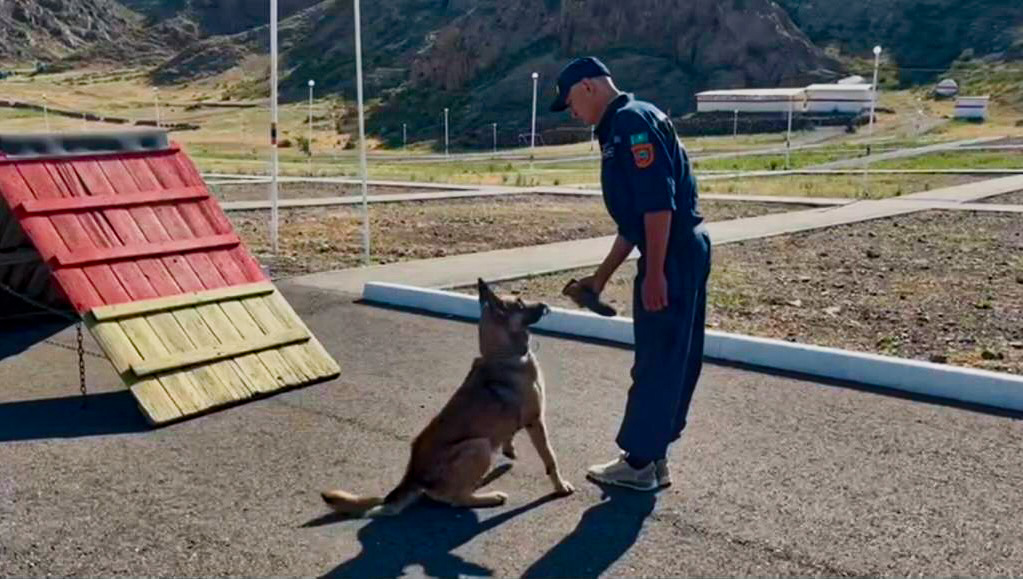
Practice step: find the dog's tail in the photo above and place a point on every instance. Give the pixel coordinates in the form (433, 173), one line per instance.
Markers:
(347, 503)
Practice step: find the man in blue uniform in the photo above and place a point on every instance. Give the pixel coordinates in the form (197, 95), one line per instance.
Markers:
(650, 193)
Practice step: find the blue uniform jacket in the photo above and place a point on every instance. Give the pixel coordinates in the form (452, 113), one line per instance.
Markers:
(643, 169)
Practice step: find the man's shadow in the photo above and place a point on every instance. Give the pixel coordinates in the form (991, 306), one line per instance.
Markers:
(605, 532)
(424, 534)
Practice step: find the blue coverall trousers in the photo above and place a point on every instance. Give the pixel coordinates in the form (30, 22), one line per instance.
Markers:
(668, 351)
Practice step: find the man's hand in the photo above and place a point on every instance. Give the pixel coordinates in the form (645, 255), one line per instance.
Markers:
(655, 291)
(594, 283)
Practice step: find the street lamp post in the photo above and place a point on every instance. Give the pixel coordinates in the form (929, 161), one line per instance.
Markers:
(404, 137)
(788, 136)
(362, 137)
(273, 128)
(735, 129)
(873, 104)
(532, 141)
(312, 83)
(495, 139)
(873, 92)
(445, 132)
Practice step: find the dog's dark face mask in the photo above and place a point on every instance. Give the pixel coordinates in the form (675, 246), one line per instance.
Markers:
(504, 323)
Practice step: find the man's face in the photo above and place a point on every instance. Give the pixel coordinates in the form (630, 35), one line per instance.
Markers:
(583, 103)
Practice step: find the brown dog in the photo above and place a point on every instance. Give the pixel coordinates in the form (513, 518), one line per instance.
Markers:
(503, 393)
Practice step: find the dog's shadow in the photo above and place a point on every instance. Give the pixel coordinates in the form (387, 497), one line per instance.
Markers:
(424, 534)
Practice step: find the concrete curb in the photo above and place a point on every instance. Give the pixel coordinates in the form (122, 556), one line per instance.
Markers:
(981, 387)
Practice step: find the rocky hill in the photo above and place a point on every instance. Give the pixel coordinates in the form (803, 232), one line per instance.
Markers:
(923, 36)
(47, 30)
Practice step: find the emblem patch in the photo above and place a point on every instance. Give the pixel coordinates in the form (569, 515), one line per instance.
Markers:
(643, 155)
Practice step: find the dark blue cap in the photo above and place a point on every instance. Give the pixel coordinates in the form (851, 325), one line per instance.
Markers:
(575, 71)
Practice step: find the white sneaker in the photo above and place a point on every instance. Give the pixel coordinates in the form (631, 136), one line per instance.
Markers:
(661, 469)
(619, 473)
(663, 473)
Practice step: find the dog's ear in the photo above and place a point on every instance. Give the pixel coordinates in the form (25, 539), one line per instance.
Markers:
(487, 297)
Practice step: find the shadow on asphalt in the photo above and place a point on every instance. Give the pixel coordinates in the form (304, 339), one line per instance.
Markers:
(18, 337)
(425, 534)
(605, 532)
(104, 413)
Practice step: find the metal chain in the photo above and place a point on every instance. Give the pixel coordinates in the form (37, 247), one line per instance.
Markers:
(80, 345)
(81, 365)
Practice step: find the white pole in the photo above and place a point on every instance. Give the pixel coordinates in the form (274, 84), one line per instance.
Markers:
(46, 113)
(495, 139)
(873, 96)
(788, 136)
(873, 103)
(735, 131)
(156, 103)
(445, 132)
(593, 130)
(404, 137)
(312, 83)
(273, 127)
(362, 137)
(532, 142)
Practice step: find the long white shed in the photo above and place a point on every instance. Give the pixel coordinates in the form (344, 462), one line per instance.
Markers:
(838, 98)
(752, 100)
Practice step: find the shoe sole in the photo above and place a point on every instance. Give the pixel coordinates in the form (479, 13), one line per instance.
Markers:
(623, 484)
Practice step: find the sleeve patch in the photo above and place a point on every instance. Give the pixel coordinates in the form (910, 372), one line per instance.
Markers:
(643, 154)
(639, 139)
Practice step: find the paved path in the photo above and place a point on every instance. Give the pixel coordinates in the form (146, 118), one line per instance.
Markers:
(458, 270)
(775, 475)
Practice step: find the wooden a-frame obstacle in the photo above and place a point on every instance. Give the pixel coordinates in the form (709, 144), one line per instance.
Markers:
(122, 227)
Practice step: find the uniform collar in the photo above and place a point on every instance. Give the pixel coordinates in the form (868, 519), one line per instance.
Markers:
(604, 128)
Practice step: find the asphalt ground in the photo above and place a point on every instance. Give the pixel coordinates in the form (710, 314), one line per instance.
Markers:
(775, 474)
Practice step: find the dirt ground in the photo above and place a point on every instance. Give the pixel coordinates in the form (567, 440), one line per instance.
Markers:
(261, 191)
(321, 239)
(939, 286)
(1007, 199)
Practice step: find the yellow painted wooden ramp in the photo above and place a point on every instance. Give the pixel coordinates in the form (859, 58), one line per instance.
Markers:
(186, 354)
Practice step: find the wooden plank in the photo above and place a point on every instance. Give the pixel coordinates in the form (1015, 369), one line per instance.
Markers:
(257, 377)
(155, 403)
(46, 240)
(65, 205)
(177, 341)
(221, 352)
(273, 362)
(269, 323)
(116, 344)
(70, 229)
(190, 299)
(203, 339)
(320, 360)
(123, 253)
(19, 256)
(180, 386)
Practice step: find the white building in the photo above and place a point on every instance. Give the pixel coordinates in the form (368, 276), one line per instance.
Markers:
(972, 107)
(752, 100)
(838, 98)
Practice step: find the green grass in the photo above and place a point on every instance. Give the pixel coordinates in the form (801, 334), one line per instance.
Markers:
(958, 160)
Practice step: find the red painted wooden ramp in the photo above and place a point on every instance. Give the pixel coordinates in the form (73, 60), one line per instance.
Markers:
(130, 234)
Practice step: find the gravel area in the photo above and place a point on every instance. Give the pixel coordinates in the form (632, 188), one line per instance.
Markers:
(942, 286)
(1015, 198)
(321, 239)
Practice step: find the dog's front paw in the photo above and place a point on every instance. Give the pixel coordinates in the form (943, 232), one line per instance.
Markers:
(564, 488)
(509, 450)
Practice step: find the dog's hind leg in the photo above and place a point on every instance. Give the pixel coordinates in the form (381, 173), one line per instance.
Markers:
(467, 463)
(538, 434)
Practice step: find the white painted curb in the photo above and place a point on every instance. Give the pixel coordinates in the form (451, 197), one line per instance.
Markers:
(982, 387)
